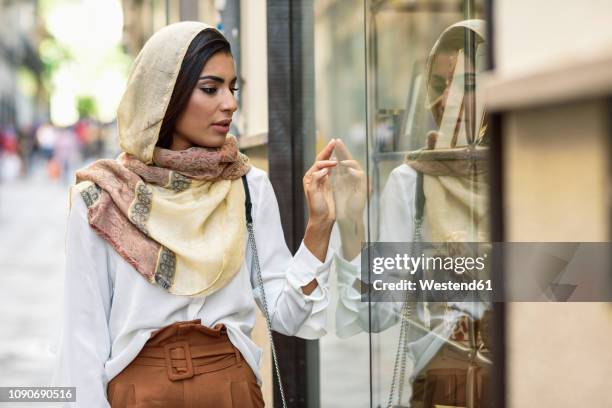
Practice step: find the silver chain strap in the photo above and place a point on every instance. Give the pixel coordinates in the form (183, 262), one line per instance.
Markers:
(399, 366)
(255, 264)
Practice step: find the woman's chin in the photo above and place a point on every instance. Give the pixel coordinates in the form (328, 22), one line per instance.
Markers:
(212, 141)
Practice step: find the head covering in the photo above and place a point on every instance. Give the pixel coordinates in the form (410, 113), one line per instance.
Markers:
(455, 182)
(150, 84)
(452, 43)
(176, 216)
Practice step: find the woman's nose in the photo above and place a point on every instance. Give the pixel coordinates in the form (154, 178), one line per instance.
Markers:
(229, 103)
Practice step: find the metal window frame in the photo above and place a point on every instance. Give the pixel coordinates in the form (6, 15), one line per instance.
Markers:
(291, 147)
(496, 200)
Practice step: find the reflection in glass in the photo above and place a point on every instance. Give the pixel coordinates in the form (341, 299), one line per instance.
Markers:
(438, 194)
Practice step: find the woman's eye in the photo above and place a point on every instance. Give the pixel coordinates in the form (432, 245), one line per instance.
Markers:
(234, 90)
(209, 91)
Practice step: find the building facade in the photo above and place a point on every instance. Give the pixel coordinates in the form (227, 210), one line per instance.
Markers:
(525, 97)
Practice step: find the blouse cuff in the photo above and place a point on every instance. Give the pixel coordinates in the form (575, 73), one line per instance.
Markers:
(348, 271)
(307, 267)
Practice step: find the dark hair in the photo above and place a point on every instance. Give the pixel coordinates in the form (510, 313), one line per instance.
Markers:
(204, 45)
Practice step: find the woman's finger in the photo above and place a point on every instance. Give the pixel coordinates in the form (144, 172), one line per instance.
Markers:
(319, 175)
(318, 165)
(324, 163)
(341, 150)
(355, 172)
(326, 153)
(353, 164)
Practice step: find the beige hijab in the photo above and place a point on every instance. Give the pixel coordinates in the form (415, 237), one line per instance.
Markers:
(178, 217)
(455, 180)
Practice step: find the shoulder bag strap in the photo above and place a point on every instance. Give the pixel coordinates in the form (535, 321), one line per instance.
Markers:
(255, 264)
(399, 367)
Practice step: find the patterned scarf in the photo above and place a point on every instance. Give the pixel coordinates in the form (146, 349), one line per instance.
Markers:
(455, 179)
(179, 222)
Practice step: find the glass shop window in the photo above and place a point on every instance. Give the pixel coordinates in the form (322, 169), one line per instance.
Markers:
(399, 82)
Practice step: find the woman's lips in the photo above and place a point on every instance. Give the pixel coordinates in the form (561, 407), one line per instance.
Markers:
(221, 128)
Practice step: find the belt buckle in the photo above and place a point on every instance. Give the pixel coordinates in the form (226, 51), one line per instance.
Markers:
(175, 376)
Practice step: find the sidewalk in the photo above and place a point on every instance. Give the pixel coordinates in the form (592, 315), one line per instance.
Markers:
(32, 225)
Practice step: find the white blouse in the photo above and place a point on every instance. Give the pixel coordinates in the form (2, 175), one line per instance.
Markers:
(110, 310)
(353, 315)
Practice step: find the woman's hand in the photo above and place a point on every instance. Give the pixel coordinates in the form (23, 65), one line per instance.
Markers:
(350, 186)
(321, 209)
(317, 187)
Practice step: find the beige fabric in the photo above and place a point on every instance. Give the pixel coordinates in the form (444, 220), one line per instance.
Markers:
(456, 190)
(456, 208)
(178, 217)
(453, 39)
(149, 88)
(208, 239)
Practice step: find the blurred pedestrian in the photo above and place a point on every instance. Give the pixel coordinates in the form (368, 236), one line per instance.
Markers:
(46, 135)
(66, 154)
(10, 163)
(26, 147)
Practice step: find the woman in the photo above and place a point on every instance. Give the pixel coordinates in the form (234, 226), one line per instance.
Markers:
(159, 295)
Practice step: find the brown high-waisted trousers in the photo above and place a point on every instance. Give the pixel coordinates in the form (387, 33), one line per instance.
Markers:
(185, 365)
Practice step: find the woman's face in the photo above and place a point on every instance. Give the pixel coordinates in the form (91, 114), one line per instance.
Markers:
(442, 79)
(206, 119)
(441, 76)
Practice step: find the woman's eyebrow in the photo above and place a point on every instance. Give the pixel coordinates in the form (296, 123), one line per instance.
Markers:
(216, 78)
(212, 77)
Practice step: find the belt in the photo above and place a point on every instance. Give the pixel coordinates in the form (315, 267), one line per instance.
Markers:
(182, 360)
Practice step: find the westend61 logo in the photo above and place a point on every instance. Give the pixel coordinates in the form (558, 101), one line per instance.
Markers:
(436, 271)
(462, 271)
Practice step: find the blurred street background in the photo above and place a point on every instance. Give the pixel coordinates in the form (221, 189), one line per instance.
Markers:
(32, 220)
(61, 75)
